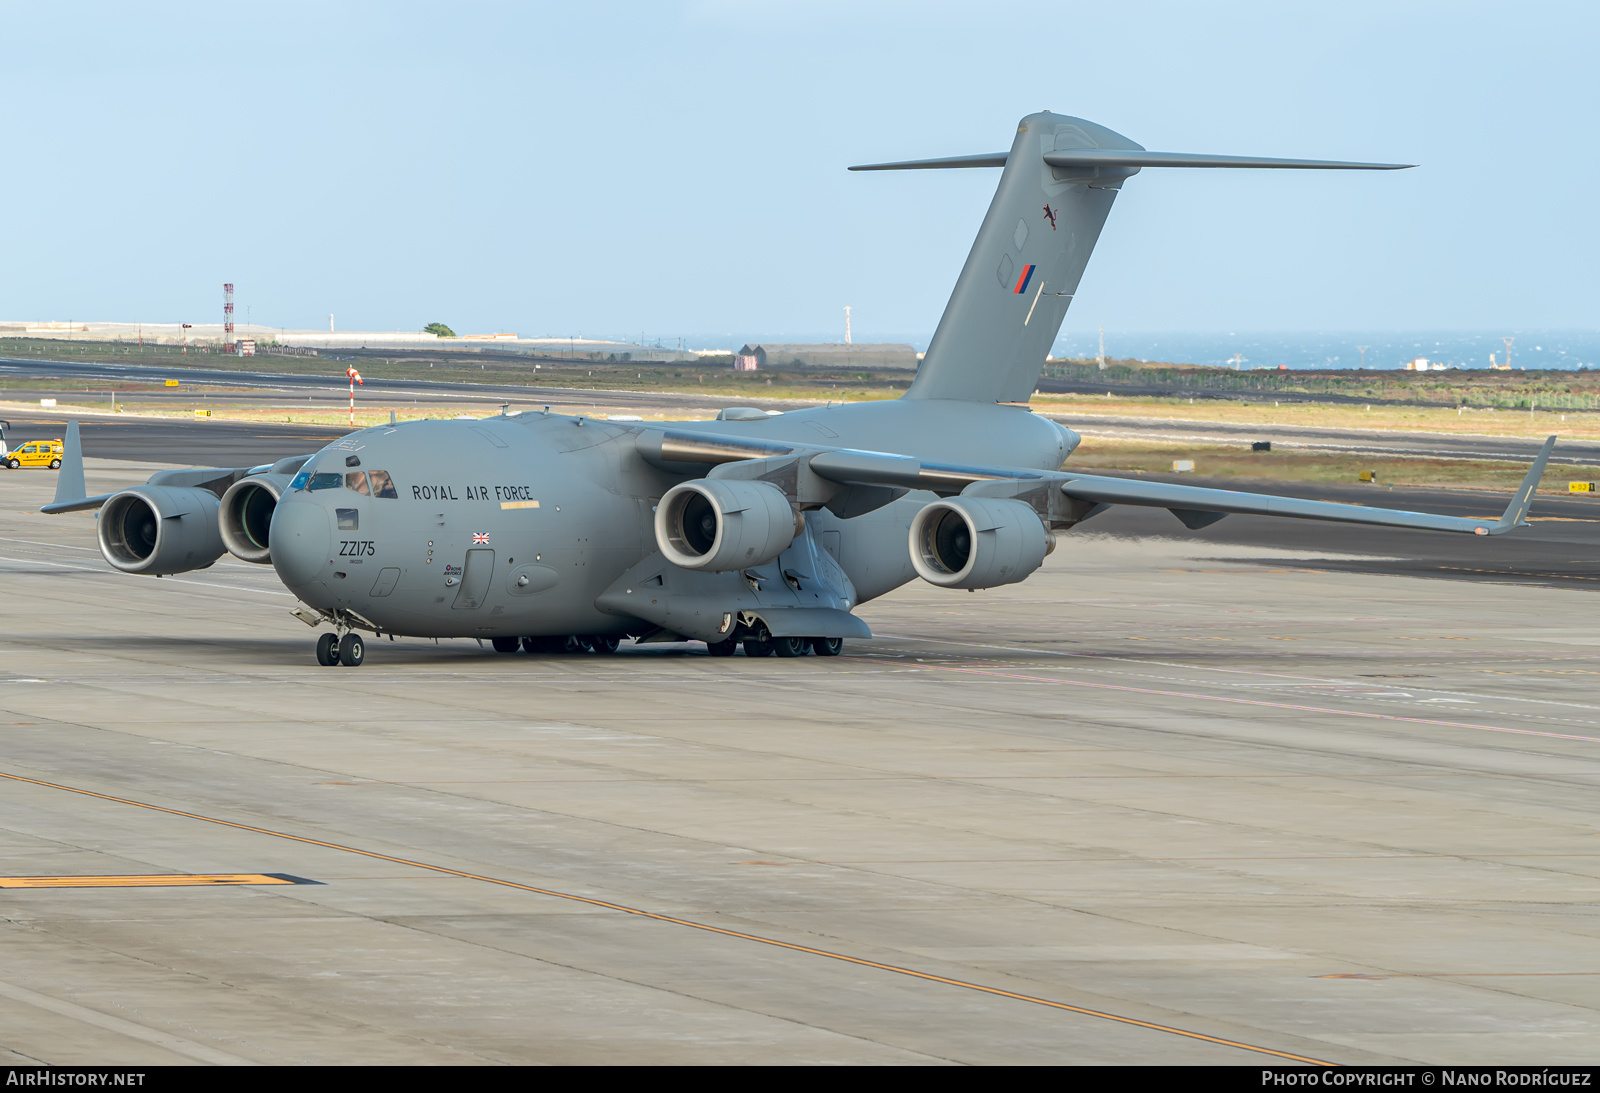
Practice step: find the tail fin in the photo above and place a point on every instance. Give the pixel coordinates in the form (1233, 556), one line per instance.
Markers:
(1061, 176)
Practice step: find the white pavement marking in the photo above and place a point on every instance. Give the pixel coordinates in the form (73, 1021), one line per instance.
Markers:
(123, 1027)
(174, 580)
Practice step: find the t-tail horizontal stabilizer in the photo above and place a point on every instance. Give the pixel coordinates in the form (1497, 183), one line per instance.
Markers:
(1122, 157)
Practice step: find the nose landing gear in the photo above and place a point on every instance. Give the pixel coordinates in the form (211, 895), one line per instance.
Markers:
(349, 650)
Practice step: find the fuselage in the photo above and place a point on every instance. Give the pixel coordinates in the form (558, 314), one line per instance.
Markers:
(513, 525)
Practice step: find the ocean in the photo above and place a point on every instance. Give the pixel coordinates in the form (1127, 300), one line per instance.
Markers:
(1555, 349)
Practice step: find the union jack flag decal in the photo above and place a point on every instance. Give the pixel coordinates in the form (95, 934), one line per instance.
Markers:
(480, 537)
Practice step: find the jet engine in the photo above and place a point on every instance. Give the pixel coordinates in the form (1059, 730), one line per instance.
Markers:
(160, 529)
(720, 524)
(977, 542)
(246, 515)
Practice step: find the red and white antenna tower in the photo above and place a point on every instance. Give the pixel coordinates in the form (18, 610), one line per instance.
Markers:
(227, 315)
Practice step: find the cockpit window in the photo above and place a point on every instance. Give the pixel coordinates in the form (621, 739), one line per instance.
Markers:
(300, 480)
(326, 481)
(357, 480)
(382, 484)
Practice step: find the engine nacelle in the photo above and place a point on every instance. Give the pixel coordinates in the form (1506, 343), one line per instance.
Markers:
(246, 515)
(977, 542)
(160, 529)
(719, 524)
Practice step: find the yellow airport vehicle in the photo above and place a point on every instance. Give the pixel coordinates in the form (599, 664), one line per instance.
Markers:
(1368, 476)
(1580, 487)
(35, 453)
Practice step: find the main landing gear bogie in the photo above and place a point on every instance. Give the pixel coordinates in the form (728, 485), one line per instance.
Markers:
(560, 644)
(759, 642)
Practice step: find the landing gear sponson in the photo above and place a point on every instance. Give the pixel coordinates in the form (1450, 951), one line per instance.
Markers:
(350, 650)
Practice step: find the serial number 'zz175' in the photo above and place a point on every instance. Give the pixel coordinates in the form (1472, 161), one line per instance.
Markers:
(356, 548)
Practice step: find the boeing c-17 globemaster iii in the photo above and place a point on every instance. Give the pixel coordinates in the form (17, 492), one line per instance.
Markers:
(550, 532)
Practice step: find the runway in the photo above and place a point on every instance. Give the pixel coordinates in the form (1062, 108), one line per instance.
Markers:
(200, 442)
(272, 386)
(1169, 801)
(251, 386)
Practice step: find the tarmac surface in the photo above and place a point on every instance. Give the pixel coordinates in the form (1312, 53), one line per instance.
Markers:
(1172, 800)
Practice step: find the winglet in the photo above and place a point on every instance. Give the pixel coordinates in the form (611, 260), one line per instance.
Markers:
(1516, 514)
(69, 483)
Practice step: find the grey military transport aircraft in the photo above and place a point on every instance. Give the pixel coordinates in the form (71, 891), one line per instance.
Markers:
(550, 532)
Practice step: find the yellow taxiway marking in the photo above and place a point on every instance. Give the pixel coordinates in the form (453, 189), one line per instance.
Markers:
(519, 504)
(157, 880)
(656, 916)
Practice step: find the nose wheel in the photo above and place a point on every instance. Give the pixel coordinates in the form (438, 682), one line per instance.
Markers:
(349, 650)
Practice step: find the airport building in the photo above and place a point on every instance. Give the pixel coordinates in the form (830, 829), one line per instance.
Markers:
(214, 336)
(771, 356)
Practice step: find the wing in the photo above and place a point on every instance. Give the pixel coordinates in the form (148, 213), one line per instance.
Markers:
(814, 476)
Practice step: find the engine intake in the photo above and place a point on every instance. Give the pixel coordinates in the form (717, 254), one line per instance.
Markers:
(720, 524)
(977, 542)
(160, 530)
(246, 515)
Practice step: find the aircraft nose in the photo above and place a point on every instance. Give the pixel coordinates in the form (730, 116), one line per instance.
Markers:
(300, 538)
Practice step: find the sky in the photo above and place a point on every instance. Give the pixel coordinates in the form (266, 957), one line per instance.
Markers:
(677, 169)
